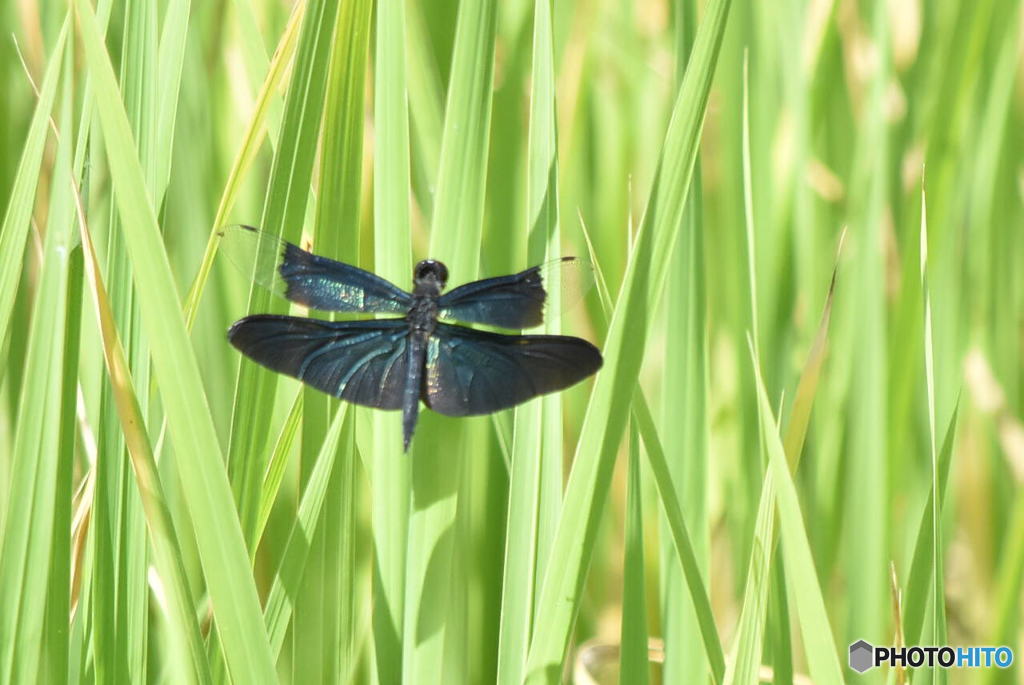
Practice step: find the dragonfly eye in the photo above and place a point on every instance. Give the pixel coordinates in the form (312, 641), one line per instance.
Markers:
(433, 271)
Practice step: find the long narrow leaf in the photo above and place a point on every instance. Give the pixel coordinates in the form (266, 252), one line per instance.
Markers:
(390, 468)
(258, 126)
(14, 231)
(633, 660)
(326, 602)
(162, 534)
(679, 535)
(283, 215)
(606, 413)
(26, 545)
(536, 470)
(218, 535)
(801, 576)
(456, 227)
(278, 611)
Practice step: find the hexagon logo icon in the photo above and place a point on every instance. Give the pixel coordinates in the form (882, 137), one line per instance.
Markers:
(861, 654)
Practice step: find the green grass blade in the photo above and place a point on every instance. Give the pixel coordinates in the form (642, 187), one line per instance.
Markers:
(56, 647)
(170, 62)
(866, 552)
(606, 413)
(536, 471)
(673, 512)
(803, 586)
(633, 660)
(288, 579)
(117, 506)
(167, 551)
(681, 545)
(277, 463)
(341, 152)
(748, 209)
(544, 244)
(685, 402)
(27, 542)
(520, 545)
(260, 124)
(917, 599)
(351, 600)
(745, 657)
(283, 215)
(919, 581)
(458, 213)
(81, 173)
(322, 638)
(455, 240)
(219, 539)
(14, 231)
(389, 467)
(426, 107)
(55, 634)
(938, 595)
(751, 628)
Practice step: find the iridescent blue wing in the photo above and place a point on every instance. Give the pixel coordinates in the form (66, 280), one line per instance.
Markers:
(363, 362)
(309, 279)
(472, 372)
(517, 300)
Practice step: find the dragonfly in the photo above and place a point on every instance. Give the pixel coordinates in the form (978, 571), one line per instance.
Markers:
(395, 363)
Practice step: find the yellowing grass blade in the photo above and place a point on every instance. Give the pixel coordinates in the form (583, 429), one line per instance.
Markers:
(169, 559)
(259, 123)
(284, 210)
(14, 231)
(197, 451)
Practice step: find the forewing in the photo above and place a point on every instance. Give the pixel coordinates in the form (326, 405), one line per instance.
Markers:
(518, 300)
(309, 279)
(363, 362)
(475, 372)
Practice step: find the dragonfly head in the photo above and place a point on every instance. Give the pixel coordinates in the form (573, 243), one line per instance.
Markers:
(430, 274)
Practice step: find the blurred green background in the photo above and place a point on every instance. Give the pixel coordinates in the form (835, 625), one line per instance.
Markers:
(165, 503)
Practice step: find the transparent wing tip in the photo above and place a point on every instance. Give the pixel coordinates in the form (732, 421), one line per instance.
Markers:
(255, 253)
(566, 280)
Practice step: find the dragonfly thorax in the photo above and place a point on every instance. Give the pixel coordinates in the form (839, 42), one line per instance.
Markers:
(429, 278)
(422, 316)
